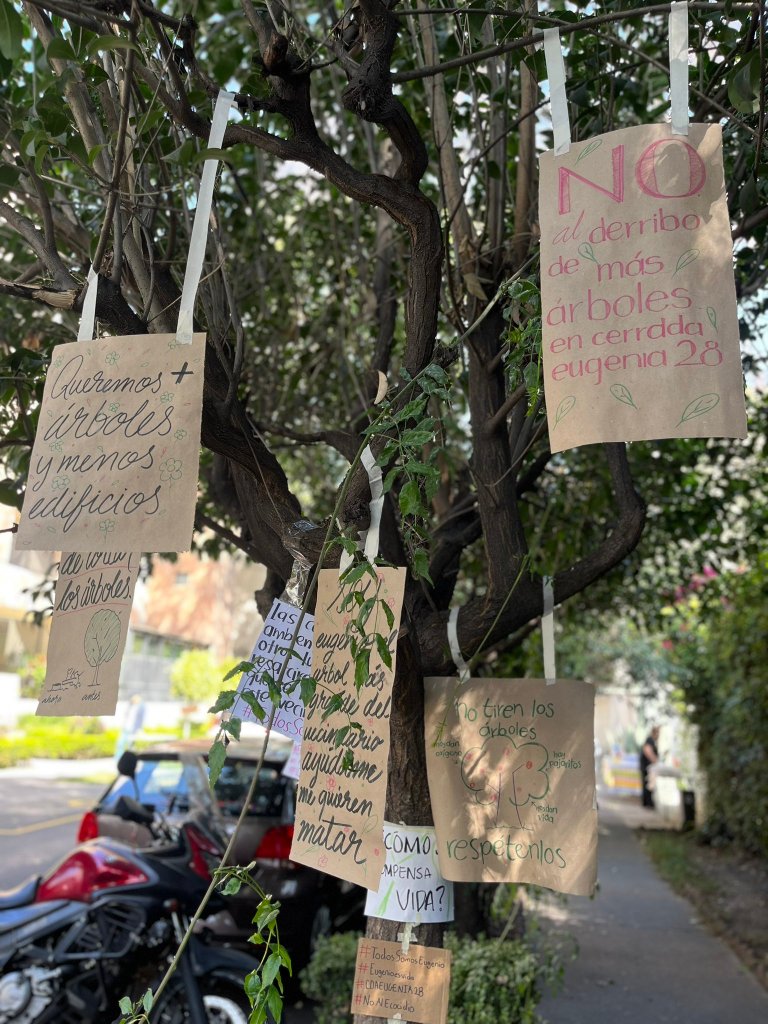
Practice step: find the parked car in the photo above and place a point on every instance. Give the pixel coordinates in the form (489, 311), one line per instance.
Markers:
(172, 778)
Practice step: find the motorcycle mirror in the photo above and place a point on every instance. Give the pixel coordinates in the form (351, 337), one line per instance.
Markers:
(127, 764)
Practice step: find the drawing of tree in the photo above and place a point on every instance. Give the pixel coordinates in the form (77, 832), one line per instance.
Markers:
(102, 638)
(500, 768)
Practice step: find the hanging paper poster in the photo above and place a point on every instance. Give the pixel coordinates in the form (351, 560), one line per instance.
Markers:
(413, 985)
(94, 594)
(115, 459)
(411, 887)
(292, 767)
(511, 769)
(640, 334)
(340, 810)
(279, 636)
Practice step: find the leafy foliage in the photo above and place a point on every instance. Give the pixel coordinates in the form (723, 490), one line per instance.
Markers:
(717, 652)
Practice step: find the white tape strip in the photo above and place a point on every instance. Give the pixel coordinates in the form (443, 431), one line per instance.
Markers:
(548, 631)
(553, 54)
(345, 561)
(377, 502)
(453, 642)
(199, 238)
(88, 315)
(678, 67)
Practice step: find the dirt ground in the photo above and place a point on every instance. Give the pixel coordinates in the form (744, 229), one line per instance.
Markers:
(730, 892)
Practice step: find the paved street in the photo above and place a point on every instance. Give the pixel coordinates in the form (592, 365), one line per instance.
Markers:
(643, 956)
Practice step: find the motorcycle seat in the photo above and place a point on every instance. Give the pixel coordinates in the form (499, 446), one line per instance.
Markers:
(20, 896)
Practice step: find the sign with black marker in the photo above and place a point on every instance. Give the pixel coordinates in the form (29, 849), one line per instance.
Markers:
(411, 887)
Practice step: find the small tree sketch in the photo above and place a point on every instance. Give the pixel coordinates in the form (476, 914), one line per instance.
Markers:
(500, 768)
(102, 638)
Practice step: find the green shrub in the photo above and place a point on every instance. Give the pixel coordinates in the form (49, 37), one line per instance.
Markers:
(329, 976)
(492, 982)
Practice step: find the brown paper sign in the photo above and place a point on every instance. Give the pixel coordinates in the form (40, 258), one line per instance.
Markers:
(94, 594)
(640, 334)
(115, 460)
(407, 986)
(511, 775)
(340, 813)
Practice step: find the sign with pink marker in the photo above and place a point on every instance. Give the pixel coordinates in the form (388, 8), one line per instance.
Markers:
(640, 335)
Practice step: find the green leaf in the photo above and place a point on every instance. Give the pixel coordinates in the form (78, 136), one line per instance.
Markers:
(275, 1004)
(232, 887)
(362, 667)
(243, 666)
(213, 154)
(125, 1004)
(384, 652)
(307, 687)
(341, 735)
(253, 703)
(586, 250)
(334, 704)
(699, 406)
(266, 915)
(595, 144)
(420, 566)
(712, 316)
(389, 615)
(564, 408)
(101, 43)
(232, 727)
(410, 499)
(744, 84)
(60, 49)
(348, 761)
(11, 31)
(147, 1000)
(224, 702)
(217, 755)
(685, 259)
(622, 393)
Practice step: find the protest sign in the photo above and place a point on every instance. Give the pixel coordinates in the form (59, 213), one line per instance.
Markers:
(411, 888)
(511, 775)
(640, 335)
(403, 985)
(115, 459)
(94, 594)
(340, 810)
(292, 767)
(268, 657)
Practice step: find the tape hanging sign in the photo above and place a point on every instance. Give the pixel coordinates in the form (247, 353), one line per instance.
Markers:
(115, 460)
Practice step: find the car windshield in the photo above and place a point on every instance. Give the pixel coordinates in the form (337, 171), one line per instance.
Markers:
(172, 786)
(232, 785)
(168, 785)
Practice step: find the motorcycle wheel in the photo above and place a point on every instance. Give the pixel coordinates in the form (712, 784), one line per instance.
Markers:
(227, 1005)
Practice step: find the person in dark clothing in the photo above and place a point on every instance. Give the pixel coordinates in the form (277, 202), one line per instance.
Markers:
(649, 755)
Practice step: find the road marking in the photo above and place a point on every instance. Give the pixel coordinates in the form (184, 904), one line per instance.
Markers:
(38, 826)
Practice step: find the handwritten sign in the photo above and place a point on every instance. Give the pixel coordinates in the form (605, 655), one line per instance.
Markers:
(115, 459)
(640, 335)
(340, 811)
(94, 594)
(511, 775)
(292, 767)
(411, 886)
(412, 985)
(269, 656)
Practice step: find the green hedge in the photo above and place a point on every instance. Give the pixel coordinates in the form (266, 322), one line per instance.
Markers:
(56, 743)
(492, 981)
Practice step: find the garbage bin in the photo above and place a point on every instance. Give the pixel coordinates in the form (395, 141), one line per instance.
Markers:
(689, 809)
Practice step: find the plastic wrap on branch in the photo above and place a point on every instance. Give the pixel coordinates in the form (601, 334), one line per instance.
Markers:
(297, 583)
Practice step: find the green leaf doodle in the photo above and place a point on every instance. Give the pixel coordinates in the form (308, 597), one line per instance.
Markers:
(712, 316)
(589, 149)
(686, 258)
(586, 250)
(699, 406)
(622, 394)
(564, 408)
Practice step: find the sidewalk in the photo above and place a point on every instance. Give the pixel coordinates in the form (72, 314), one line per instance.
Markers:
(643, 956)
(56, 768)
